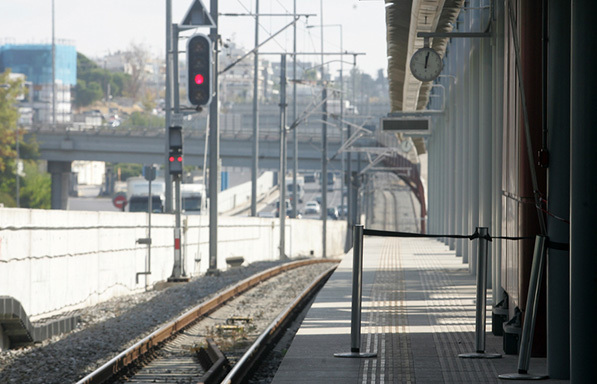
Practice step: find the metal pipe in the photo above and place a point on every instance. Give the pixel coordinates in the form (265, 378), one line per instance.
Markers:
(357, 295)
(282, 176)
(324, 144)
(324, 173)
(53, 69)
(214, 148)
(150, 209)
(177, 231)
(533, 303)
(481, 309)
(175, 75)
(357, 289)
(168, 105)
(528, 328)
(481, 291)
(255, 162)
(294, 133)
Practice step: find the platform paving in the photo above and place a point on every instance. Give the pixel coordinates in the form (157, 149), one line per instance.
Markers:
(418, 316)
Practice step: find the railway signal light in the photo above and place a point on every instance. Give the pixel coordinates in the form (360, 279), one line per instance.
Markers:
(175, 150)
(199, 66)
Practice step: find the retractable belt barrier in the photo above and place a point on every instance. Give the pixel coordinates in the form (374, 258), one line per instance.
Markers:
(481, 233)
(549, 244)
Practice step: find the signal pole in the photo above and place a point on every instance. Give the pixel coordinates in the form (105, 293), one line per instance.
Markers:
(175, 159)
(214, 149)
(168, 102)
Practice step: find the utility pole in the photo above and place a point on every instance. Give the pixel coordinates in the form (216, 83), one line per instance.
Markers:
(324, 145)
(352, 186)
(282, 176)
(53, 69)
(294, 133)
(324, 170)
(255, 164)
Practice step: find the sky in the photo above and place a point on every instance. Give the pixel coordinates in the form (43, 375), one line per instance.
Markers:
(99, 27)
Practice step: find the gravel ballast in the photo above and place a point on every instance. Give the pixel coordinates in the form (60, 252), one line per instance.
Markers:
(110, 327)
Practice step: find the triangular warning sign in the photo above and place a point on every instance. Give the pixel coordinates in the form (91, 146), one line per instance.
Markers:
(197, 16)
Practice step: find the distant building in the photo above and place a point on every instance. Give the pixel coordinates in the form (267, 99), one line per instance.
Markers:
(34, 61)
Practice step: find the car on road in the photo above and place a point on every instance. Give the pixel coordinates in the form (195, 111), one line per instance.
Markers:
(288, 208)
(312, 207)
(333, 213)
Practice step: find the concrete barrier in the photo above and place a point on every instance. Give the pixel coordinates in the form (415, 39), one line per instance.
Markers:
(53, 261)
(240, 195)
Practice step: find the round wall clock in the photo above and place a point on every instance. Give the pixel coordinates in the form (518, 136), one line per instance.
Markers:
(426, 64)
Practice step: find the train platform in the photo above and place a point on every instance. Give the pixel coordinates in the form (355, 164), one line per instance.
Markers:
(418, 315)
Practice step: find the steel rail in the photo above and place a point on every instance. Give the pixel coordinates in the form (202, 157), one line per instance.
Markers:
(247, 362)
(149, 343)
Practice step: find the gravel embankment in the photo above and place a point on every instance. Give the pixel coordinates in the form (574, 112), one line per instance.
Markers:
(110, 327)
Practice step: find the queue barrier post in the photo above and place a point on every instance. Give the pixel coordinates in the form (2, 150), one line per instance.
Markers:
(357, 296)
(528, 328)
(480, 316)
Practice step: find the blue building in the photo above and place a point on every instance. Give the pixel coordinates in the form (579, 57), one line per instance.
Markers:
(34, 61)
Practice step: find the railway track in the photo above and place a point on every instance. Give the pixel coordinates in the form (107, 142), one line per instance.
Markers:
(242, 321)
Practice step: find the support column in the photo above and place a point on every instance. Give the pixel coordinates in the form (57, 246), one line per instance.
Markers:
(496, 148)
(485, 176)
(449, 168)
(558, 192)
(583, 204)
(459, 154)
(60, 171)
(473, 163)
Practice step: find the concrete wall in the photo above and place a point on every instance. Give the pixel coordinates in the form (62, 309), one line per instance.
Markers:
(240, 195)
(52, 260)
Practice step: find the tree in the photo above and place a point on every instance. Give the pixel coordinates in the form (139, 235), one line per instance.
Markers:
(148, 101)
(135, 60)
(143, 119)
(87, 94)
(93, 81)
(10, 90)
(35, 189)
(89, 82)
(126, 170)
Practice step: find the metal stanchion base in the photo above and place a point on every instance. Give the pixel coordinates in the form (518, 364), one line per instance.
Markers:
(356, 354)
(522, 376)
(182, 279)
(480, 355)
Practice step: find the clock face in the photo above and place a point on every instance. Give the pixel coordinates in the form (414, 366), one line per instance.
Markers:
(426, 64)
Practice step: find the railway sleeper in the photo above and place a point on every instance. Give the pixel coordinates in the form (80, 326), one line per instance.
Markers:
(229, 330)
(239, 319)
(213, 362)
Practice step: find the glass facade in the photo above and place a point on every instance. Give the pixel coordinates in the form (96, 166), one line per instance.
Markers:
(35, 62)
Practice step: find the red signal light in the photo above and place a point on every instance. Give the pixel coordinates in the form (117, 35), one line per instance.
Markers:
(171, 159)
(180, 159)
(199, 79)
